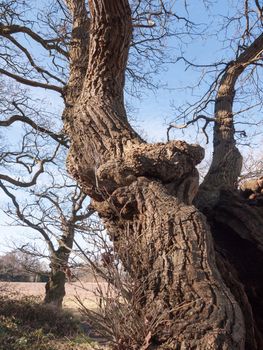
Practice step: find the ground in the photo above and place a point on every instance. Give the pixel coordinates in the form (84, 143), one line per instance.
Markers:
(85, 291)
(26, 324)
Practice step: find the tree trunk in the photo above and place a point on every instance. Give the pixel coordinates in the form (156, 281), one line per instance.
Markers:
(55, 287)
(236, 224)
(167, 248)
(237, 229)
(227, 161)
(144, 193)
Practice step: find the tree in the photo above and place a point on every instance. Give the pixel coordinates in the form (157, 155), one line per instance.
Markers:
(58, 208)
(17, 266)
(194, 295)
(144, 193)
(56, 211)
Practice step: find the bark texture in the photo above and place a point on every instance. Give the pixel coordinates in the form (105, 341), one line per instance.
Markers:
(144, 193)
(237, 231)
(235, 216)
(55, 287)
(166, 246)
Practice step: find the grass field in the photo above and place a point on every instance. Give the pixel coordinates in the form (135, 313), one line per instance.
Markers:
(85, 292)
(19, 332)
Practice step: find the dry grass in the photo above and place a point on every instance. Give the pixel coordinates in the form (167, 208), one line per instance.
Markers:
(84, 291)
(27, 324)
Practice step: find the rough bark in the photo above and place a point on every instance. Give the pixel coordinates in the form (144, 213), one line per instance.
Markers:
(99, 112)
(55, 287)
(235, 216)
(238, 235)
(144, 193)
(167, 248)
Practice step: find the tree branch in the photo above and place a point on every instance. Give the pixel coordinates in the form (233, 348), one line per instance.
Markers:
(33, 181)
(194, 120)
(25, 220)
(24, 119)
(33, 83)
(40, 70)
(12, 29)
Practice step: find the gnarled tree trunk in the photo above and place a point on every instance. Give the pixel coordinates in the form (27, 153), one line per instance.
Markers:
(227, 161)
(144, 194)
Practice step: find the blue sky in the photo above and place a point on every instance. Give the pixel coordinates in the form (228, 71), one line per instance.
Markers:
(154, 110)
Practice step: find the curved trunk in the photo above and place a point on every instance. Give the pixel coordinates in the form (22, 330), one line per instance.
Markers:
(166, 246)
(144, 193)
(227, 161)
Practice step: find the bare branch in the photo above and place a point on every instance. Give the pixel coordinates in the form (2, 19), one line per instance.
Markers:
(33, 181)
(12, 29)
(33, 83)
(24, 119)
(21, 216)
(192, 121)
(40, 70)
(30, 183)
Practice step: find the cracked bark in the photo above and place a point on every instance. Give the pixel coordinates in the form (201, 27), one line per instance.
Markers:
(144, 194)
(167, 248)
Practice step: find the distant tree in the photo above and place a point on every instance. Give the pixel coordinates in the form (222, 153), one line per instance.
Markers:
(56, 212)
(17, 266)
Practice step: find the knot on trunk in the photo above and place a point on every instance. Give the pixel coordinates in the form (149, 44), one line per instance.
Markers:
(128, 203)
(168, 163)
